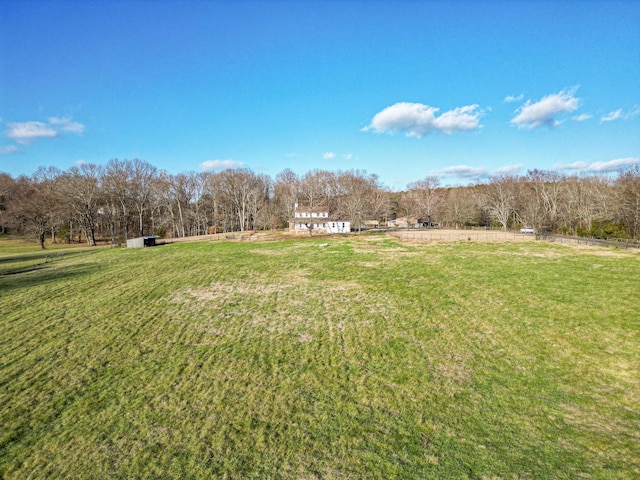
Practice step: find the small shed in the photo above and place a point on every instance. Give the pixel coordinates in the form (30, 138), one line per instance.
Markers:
(141, 242)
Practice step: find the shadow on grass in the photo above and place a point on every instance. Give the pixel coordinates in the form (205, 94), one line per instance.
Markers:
(13, 265)
(42, 255)
(38, 274)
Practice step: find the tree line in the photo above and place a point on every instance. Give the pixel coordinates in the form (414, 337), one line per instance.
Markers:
(131, 198)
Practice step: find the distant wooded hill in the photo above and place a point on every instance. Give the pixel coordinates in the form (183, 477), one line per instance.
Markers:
(130, 198)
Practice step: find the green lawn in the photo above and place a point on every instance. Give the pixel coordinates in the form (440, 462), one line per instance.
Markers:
(367, 358)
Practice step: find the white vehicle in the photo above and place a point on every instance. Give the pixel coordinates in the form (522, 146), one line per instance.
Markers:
(526, 230)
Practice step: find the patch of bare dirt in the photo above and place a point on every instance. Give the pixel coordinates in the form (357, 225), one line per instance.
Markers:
(444, 235)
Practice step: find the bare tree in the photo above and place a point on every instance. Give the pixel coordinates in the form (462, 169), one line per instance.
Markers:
(423, 198)
(144, 177)
(8, 192)
(118, 186)
(47, 180)
(163, 204)
(381, 204)
(549, 189)
(316, 188)
(528, 209)
(461, 208)
(30, 211)
(82, 189)
(182, 191)
(199, 207)
(586, 201)
(212, 201)
(499, 199)
(285, 195)
(628, 200)
(246, 192)
(259, 196)
(355, 191)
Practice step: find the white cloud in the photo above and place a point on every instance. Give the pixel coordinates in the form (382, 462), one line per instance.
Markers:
(212, 165)
(28, 132)
(9, 149)
(507, 169)
(572, 166)
(611, 116)
(459, 119)
(620, 115)
(462, 171)
(582, 117)
(347, 156)
(329, 156)
(613, 165)
(476, 173)
(544, 112)
(511, 98)
(65, 124)
(418, 120)
(608, 166)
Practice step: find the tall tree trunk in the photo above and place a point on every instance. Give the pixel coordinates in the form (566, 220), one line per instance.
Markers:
(141, 220)
(181, 234)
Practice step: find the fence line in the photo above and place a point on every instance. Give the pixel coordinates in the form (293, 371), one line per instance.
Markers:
(619, 243)
(462, 235)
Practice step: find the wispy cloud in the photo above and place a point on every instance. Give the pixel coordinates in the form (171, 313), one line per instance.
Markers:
(333, 155)
(545, 111)
(611, 116)
(512, 98)
(620, 114)
(216, 165)
(608, 166)
(65, 124)
(465, 172)
(507, 170)
(9, 149)
(462, 171)
(418, 120)
(582, 117)
(26, 133)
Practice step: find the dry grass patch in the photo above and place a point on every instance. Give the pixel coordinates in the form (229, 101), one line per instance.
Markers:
(444, 235)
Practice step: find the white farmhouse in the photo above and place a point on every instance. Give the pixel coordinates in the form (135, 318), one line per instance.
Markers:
(317, 219)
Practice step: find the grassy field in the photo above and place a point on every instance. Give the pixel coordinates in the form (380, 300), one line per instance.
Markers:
(367, 358)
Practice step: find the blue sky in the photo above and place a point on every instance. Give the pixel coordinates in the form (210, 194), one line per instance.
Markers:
(405, 89)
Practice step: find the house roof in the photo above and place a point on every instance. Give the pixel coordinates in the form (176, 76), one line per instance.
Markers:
(317, 208)
(316, 220)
